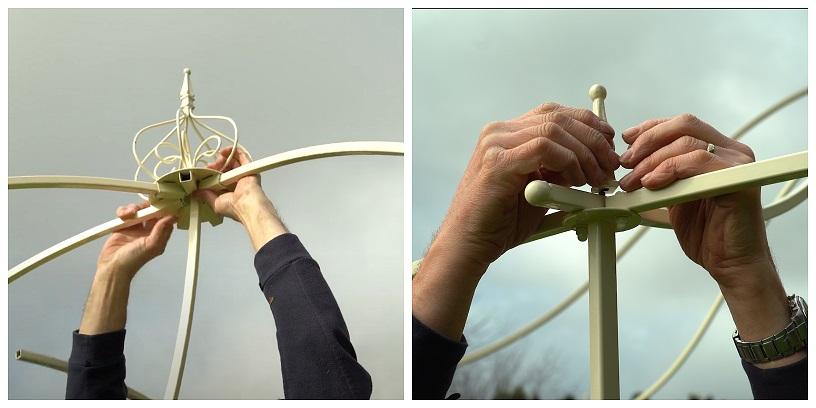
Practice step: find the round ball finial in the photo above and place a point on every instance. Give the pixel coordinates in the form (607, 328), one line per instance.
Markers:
(597, 91)
(187, 71)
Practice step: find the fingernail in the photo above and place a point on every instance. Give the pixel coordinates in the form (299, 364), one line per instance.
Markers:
(625, 156)
(614, 159)
(630, 131)
(625, 179)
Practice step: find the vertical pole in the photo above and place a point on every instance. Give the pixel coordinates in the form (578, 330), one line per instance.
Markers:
(603, 311)
(187, 305)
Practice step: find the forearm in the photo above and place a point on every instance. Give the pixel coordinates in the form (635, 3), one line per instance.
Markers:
(759, 307)
(106, 307)
(443, 289)
(318, 360)
(262, 222)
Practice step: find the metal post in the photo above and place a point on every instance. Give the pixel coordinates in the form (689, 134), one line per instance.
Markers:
(603, 311)
(187, 305)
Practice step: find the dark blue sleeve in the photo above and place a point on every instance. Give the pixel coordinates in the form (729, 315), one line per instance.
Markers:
(788, 382)
(317, 358)
(434, 361)
(96, 368)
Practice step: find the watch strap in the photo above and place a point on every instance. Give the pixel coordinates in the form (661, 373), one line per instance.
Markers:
(787, 342)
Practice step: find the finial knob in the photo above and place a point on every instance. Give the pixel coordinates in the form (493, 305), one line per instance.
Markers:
(597, 91)
(186, 94)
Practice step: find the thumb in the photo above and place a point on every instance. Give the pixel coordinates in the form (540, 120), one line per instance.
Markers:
(208, 196)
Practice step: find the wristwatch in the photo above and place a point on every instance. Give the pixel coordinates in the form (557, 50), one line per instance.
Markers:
(788, 341)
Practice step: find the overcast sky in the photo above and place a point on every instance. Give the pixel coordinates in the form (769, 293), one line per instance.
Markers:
(82, 82)
(473, 67)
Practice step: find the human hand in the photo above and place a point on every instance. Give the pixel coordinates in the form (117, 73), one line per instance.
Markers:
(244, 201)
(240, 199)
(128, 249)
(489, 214)
(723, 234)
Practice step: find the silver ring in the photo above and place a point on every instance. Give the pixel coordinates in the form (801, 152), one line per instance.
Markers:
(710, 148)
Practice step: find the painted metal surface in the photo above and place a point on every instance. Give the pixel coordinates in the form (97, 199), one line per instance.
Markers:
(187, 304)
(87, 236)
(170, 192)
(62, 365)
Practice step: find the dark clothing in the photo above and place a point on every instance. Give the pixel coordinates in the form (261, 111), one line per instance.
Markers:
(788, 382)
(434, 361)
(435, 358)
(317, 358)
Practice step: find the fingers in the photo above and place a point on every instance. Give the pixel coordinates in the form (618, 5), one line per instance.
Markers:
(591, 170)
(208, 196)
(129, 211)
(629, 135)
(239, 158)
(156, 242)
(590, 135)
(583, 115)
(542, 152)
(666, 132)
(680, 146)
(683, 166)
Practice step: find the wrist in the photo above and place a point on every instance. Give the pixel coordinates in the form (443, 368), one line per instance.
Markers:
(757, 302)
(114, 275)
(262, 223)
(454, 251)
(106, 307)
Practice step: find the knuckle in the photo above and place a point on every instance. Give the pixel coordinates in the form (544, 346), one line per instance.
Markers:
(701, 156)
(491, 127)
(558, 118)
(547, 129)
(747, 150)
(689, 142)
(485, 142)
(689, 119)
(540, 144)
(547, 107)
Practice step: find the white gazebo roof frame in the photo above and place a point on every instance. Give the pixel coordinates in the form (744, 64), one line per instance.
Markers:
(596, 218)
(170, 193)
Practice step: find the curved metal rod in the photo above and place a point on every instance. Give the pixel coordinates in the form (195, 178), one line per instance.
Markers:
(779, 206)
(781, 197)
(739, 133)
(303, 154)
(187, 304)
(655, 216)
(785, 200)
(62, 365)
(95, 183)
(686, 352)
(86, 237)
(549, 315)
(659, 218)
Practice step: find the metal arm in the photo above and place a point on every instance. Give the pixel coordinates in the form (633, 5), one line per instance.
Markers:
(303, 154)
(187, 305)
(161, 190)
(61, 365)
(86, 237)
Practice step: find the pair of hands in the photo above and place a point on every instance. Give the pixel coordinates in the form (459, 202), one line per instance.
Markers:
(489, 214)
(128, 249)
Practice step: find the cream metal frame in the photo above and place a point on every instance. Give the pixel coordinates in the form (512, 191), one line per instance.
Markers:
(597, 218)
(171, 194)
